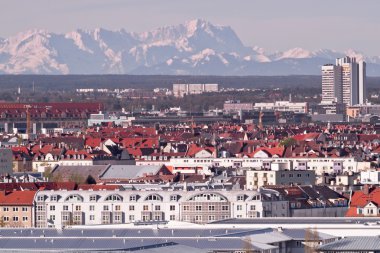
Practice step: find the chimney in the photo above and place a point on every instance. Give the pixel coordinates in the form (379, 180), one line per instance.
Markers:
(366, 189)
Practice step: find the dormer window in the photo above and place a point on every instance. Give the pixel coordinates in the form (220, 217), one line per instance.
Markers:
(93, 198)
(173, 198)
(40, 198)
(54, 198)
(240, 197)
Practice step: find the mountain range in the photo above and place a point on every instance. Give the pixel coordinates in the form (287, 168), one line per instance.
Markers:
(196, 47)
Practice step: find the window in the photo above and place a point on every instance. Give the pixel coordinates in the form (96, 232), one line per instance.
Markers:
(105, 208)
(198, 208)
(25, 218)
(105, 217)
(15, 218)
(52, 217)
(52, 208)
(225, 208)
(239, 207)
(153, 197)
(78, 208)
(172, 217)
(117, 218)
(65, 217)
(117, 208)
(172, 208)
(173, 198)
(131, 217)
(211, 208)
(145, 207)
(24, 209)
(132, 198)
(40, 208)
(114, 197)
(74, 198)
(93, 198)
(15, 209)
(157, 208)
(6, 209)
(5, 218)
(40, 198)
(131, 208)
(54, 198)
(92, 208)
(157, 217)
(65, 208)
(186, 208)
(92, 217)
(198, 217)
(253, 207)
(240, 197)
(211, 218)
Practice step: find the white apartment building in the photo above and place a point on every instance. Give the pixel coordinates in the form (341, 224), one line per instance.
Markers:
(350, 80)
(320, 165)
(257, 178)
(331, 84)
(344, 82)
(282, 106)
(181, 89)
(362, 89)
(370, 177)
(64, 208)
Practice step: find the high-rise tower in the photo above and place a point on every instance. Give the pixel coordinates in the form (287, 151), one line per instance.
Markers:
(344, 82)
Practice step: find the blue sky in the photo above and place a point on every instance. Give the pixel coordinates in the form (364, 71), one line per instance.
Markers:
(271, 24)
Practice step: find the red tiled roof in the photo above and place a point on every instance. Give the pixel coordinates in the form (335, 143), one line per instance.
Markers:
(17, 198)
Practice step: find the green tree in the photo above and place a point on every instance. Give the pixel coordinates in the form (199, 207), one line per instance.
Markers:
(288, 142)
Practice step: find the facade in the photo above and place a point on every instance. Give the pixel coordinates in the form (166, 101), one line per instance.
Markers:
(344, 82)
(6, 161)
(236, 106)
(350, 80)
(259, 178)
(331, 84)
(15, 117)
(283, 106)
(180, 90)
(16, 208)
(320, 165)
(370, 177)
(63, 208)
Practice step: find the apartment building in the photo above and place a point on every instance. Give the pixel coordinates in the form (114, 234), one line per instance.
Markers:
(344, 82)
(259, 178)
(64, 208)
(180, 90)
(16, 208)
(282, 106)
(320, 165)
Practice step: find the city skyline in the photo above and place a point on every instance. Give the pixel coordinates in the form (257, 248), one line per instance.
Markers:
(271, 25)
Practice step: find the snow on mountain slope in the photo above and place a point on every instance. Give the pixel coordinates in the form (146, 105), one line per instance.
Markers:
(195, 47)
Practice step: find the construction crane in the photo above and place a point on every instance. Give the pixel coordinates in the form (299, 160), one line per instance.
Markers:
(28, 120)
(261, 114)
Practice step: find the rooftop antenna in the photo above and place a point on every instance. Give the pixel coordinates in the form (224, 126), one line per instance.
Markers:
(290, 97)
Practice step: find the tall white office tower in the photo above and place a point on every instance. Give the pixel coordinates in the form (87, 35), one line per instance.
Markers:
(331, 84)
(362, 89)
(350, 80)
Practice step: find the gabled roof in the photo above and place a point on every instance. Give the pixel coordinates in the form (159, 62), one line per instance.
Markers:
(17, 198)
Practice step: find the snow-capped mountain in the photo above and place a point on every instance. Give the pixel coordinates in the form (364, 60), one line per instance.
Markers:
(195, 47)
